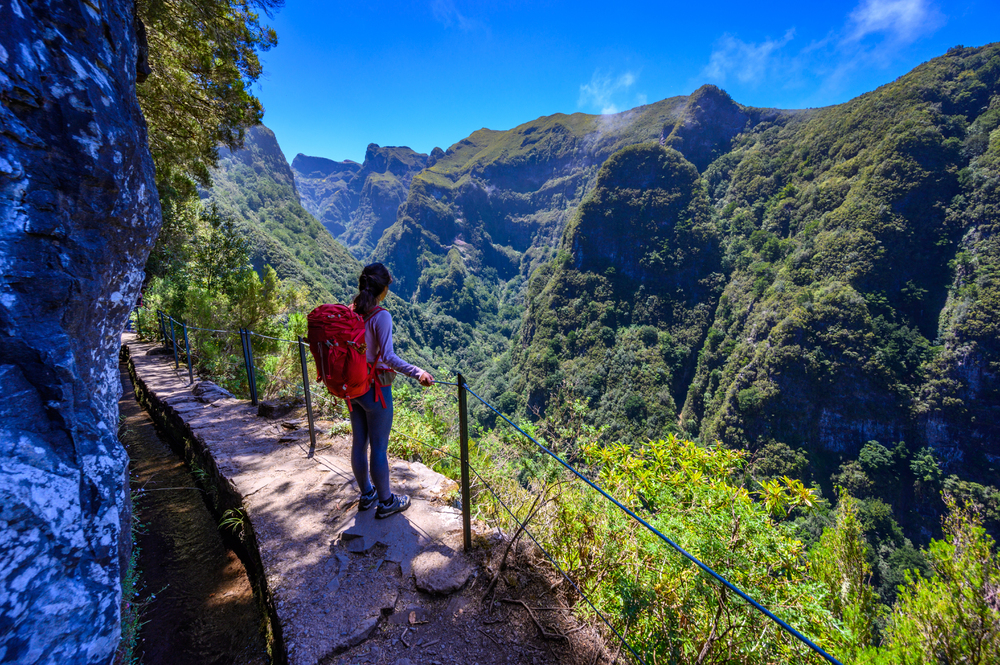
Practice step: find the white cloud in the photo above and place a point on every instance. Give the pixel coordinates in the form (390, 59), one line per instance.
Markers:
(606, 92)
(747, 61)
(446, 13)
(872, 36)
(900, 20)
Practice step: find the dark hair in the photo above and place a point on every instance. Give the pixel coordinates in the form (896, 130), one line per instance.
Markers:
(372, 282)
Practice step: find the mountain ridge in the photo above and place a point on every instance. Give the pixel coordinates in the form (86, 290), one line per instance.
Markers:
(847, 297)
(357, 202)
(256, 186)
(842, 229)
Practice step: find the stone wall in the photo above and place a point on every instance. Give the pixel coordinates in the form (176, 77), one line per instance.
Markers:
(78, 216)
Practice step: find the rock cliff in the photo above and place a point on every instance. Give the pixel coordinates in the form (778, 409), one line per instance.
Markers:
(501, 199)
(357, 202)
(78, 215)
(621, 310)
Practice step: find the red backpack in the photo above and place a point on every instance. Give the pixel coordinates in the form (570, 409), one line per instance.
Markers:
(337, 342)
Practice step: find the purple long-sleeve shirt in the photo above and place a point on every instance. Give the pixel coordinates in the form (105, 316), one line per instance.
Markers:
(378, 336)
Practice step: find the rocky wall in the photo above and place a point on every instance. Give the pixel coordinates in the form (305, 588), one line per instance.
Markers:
(78, 216)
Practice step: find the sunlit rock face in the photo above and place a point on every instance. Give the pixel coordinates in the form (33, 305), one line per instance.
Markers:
(78, 215)
(358, 202)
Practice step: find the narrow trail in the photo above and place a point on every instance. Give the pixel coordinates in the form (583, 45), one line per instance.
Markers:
(203, 612)
(342, 588)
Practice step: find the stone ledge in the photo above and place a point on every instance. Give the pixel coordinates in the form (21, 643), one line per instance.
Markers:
(325, 574)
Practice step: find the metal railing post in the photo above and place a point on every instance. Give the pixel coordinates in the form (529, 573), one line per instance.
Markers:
(251, 368)
(173, 342)
(163, 327)
(246, 364)
(463, 433)
(187, 352)
(305, 388)
(243, 347)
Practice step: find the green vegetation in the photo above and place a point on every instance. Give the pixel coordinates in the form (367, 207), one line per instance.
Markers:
(676, 613)
(747, 527)
(748, 531)
(203, 56)
(492, 207)
(950, 616)
(220, 291)
(724, 314)
(839, 230)
(234, 520)
(131, 607)
(853, 299)
(255, 187)
(615, 318)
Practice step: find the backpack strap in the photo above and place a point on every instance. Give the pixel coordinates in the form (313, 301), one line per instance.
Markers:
(374, 310)
(373, 370)
(373, 379)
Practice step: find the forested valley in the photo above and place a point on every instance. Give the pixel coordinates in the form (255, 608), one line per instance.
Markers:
(773, 332)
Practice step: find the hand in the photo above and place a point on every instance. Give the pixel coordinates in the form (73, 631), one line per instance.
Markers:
(425, 378)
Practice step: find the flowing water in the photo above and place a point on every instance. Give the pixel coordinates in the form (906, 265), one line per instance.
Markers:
(201, 607)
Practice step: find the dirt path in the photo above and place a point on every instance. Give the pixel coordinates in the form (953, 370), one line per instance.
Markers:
(203, 611)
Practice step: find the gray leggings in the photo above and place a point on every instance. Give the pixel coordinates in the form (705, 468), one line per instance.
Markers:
(371, 422)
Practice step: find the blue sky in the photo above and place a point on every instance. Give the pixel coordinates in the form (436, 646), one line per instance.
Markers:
(429, 73)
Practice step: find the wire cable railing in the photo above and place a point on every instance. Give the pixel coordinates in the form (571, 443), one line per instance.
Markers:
(213, 330)
(523, 526)
(732, 587)
(463, 388)
(276, 339)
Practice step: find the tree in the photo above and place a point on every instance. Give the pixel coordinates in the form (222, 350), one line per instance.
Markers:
(954, 616)
(203, 55)
(840, 563)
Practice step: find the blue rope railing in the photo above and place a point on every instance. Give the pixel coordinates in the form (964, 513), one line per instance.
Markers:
(463, 385)
(729, 585)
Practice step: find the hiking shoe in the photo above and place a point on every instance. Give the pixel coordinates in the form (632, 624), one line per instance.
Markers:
(368, 499)
(397, 504)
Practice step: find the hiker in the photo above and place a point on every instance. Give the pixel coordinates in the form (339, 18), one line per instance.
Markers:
(371, 420)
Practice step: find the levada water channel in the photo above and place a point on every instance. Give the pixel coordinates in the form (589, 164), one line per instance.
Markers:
(197, 601)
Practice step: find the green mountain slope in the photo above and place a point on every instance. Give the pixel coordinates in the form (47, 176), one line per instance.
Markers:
(958, 405)
(255, 186)
(842, 229)
(615, 319)
(858, 295)
(357, 202)
(488, 211)
(793, 283)
(502, 199)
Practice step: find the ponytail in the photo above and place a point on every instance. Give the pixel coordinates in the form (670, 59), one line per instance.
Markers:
(373, 281)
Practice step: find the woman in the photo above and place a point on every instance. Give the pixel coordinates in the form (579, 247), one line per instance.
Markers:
(371, 420)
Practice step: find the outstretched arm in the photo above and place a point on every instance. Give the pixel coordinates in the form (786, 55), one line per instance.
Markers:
(382, 324)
